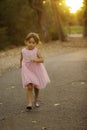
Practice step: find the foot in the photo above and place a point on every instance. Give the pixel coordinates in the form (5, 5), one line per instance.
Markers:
(37, 104)
(29, 107)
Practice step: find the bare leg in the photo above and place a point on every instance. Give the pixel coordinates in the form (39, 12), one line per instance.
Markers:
(29, 94)
(36, 96)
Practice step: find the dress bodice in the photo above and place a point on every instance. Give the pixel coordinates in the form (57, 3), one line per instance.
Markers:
(29, 54)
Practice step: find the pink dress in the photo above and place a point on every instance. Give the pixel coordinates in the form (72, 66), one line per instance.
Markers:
(33, 72)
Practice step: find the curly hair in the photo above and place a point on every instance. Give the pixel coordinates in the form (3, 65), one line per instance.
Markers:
(33, 35)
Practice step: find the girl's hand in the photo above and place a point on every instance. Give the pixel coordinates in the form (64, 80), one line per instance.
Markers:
(38, 60)
(33, 60)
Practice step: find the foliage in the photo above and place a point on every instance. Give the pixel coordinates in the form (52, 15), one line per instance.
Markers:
(85, 18)
(17, 18)
(4, 38)
(75, 29)
(79, 15)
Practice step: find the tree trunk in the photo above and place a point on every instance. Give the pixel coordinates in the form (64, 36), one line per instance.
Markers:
(85, 19)
(57, 18)
(43, 29)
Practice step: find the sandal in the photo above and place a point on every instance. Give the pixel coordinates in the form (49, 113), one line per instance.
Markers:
(29, 107)
(37, 104)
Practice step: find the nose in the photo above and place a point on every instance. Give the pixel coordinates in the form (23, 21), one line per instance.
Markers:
(30, 43)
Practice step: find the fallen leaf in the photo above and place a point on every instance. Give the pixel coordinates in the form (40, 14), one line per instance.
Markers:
(82, 82)
(57, 104)
(12, 86)
(34, 121)
(43, 128)
(22, 111)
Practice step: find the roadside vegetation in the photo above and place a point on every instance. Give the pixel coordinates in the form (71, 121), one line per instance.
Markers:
(51, 19)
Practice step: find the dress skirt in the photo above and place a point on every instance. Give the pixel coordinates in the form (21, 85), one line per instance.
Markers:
(34, 73)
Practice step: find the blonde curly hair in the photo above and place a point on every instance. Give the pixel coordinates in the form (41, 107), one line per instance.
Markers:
(33, 35)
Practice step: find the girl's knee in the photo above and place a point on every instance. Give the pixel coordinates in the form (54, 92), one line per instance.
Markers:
(36, 89)
(29, 86)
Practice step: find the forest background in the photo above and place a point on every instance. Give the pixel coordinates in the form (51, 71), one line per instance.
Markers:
(50, 18)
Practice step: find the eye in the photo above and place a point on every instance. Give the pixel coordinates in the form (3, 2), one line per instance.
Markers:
(31, 42)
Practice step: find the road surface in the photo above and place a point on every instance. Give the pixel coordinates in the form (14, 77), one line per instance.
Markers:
(63, 101)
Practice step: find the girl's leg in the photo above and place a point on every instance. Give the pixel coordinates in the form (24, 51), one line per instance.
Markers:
(29, 94)
(36, 90)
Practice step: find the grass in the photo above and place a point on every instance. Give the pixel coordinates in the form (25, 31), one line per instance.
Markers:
(74, 29)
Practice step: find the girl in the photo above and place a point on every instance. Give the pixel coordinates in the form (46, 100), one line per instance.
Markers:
(34, 75)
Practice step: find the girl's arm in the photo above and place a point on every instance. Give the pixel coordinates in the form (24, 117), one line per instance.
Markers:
(21, 58)
(39, 58)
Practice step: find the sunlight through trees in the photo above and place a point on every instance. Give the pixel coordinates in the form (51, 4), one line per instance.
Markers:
(49, 18)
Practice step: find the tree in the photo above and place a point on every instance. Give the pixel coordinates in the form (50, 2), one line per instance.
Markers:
(57, 18)
(16, 20)
(85, 18)
(37, 5)
(10, 16)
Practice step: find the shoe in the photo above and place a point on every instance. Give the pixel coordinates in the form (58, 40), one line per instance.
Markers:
(29, 107)
(37, 104)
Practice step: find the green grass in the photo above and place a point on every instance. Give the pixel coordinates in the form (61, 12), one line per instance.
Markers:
(74, 29)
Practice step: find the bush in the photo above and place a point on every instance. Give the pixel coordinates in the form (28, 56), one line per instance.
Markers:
(3, 38)
(53, 33)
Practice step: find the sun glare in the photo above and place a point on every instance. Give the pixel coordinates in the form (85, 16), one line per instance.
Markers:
(74, 5)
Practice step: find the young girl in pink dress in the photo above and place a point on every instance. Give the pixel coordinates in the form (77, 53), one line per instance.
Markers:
(34, 74)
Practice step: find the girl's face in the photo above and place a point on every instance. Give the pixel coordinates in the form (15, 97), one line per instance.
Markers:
(31, 44)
